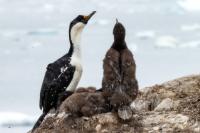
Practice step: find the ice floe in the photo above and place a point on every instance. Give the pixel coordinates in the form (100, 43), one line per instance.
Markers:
(143, 35)
(192, 27)
(190, 44)
(12, 33)
(8, 119)
(40, 31)
(190, 5)
(166, 42)
(45, 31)
(35, 44)
(173, 42)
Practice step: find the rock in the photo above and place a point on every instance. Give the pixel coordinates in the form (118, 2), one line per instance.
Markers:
(108, 118)
(156, 128)
(167, 122)
(100, 123)
(140, 105)
(190, 106)
(196, 126)
(165, 105)
(98, 127)
(172, 107)
(125, 113)
(176, 89)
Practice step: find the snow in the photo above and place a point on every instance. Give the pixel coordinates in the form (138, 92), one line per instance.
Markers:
(145, 34)
(166, 42)
(191, 27)
(190, 5)
(35, 44)
(12, 33)
(190, 44)
(172, 42)
(10, 119)
(8, 33)
(43, 31)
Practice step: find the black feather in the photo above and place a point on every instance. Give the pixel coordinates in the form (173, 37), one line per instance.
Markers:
(55, 82)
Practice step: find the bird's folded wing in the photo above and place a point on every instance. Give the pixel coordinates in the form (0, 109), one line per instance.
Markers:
(54, 82)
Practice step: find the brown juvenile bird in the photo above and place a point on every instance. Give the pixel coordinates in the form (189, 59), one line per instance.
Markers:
(84, 102)
(119, 83)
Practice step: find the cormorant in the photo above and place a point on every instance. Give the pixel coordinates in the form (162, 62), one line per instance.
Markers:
(119, 85)
(63, 75)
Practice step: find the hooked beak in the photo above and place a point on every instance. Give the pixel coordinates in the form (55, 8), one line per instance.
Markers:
(87, 18)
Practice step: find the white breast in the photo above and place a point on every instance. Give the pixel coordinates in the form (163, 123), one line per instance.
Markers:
(77, 74)
(76, 56)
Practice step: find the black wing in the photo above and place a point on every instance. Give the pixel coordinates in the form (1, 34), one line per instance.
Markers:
(55, 81)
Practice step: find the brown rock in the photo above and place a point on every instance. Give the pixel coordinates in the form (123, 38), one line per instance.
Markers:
(183, 118)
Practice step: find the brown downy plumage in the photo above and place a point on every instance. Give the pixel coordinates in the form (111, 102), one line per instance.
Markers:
(128, 70)
(111, 76)
(84, 102)
(119, 83)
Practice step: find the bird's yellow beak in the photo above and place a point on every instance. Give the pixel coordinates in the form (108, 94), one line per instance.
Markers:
(86, 18)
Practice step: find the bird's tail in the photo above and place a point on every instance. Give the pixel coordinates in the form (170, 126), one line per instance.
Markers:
(39, 121)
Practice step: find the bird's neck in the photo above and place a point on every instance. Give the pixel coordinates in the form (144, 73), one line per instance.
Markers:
(119, 45)
(75, 48)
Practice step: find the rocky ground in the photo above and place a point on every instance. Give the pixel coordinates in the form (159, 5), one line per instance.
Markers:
(173, 106)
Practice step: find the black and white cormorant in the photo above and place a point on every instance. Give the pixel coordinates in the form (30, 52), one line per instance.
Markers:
(119, 85)
(63, 75)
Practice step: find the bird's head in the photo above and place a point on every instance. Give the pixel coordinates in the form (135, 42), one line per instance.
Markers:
(119, 31)
(80, 21)
(76, 27)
